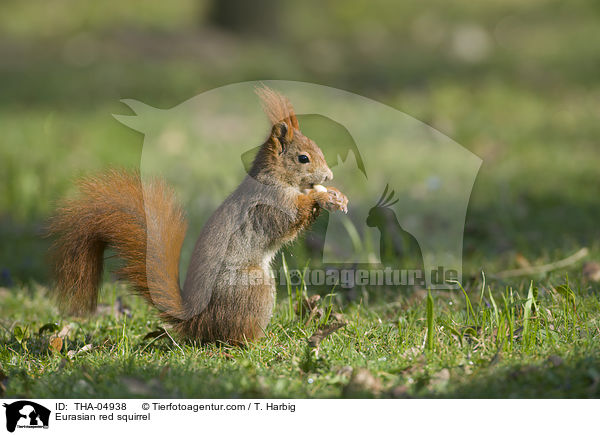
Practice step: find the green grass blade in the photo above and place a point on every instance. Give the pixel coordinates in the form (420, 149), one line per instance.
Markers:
(470, 311)
(495, 307)
(430, 322)
(527, 312)
(289, 286)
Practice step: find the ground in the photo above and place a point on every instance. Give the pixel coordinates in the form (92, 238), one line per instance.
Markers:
(478, 348)
(524, 98)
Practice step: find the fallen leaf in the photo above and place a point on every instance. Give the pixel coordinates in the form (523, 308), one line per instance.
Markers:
(307, 305)
(314, 342)
(317, 312)
(65, 331)
(309, 308)
(312, 302)
(56, 340)
(85, 348)
(316, 339)
(56, 344)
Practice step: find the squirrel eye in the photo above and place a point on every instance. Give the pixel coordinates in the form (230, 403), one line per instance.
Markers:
(303, 158)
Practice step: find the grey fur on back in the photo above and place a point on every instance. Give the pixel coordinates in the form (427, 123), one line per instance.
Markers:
(236, 239)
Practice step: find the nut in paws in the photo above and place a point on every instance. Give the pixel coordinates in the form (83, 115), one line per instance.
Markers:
(334, 200)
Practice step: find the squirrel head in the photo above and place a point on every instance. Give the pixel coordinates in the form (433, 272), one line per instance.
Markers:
(288, 156)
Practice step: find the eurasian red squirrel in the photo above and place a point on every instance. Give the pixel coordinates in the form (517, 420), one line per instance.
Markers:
(222, 299)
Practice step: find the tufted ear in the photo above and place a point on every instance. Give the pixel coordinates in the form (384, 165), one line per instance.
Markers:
(280, 135)
(279, 110)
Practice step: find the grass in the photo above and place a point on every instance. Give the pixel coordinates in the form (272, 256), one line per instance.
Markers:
(528, 108)
(512, 342)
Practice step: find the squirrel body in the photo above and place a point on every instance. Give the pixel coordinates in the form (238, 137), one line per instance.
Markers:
(228, 293)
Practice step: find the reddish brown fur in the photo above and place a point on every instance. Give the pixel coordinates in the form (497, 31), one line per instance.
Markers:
(272, 165)
(111, 212)
(218, 323)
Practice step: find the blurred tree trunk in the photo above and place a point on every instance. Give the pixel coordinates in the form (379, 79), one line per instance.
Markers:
(258, 17)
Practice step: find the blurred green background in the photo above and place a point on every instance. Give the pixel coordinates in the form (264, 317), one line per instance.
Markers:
(515, 82)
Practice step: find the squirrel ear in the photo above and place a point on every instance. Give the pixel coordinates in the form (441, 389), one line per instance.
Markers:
(279, 132)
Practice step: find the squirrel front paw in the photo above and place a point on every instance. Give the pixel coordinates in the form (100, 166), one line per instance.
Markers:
(332, 200)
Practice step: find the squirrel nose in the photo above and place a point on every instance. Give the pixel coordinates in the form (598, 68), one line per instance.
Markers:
(328, 175)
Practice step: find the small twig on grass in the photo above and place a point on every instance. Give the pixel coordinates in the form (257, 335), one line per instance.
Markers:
(174, 342)
(544, 268)
(156, 338)
(314, 342)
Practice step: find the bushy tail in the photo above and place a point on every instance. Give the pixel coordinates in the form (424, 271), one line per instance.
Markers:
(141, 222)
